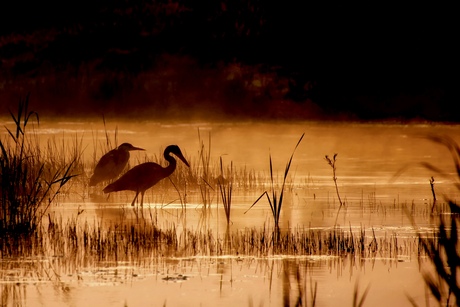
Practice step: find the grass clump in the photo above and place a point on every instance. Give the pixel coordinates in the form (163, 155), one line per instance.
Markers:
(276, 202)
(443, 251)
(226, 188)
(443, 248)
(29, 182)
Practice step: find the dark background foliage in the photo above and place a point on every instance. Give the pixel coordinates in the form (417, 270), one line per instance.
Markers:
(366, 61)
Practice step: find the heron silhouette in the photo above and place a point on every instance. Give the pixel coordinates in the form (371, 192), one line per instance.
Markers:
(144, 176)
(112, 164)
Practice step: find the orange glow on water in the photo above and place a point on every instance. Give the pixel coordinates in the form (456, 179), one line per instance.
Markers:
(368, 158)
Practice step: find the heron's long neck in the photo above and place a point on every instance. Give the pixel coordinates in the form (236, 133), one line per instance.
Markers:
(172, 164)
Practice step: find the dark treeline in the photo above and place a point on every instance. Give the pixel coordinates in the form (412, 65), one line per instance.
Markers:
(372, 60)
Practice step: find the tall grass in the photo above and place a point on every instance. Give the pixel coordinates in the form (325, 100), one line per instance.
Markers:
(225, 183)
(204, 156)
(101, 147)
(276, 199)
(205, 176)
(128, 240)
(443, 248)
(29, 181)
(443, 251)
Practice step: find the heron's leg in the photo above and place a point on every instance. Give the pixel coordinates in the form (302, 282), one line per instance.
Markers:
(142, 198)
(135, 198)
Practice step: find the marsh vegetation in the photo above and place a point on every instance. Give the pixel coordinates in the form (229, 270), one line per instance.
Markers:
(219, 220)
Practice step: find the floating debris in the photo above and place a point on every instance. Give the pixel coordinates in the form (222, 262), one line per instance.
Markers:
(177, 278)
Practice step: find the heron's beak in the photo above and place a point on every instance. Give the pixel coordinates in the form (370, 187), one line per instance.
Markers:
(136, 148)
(183, 160)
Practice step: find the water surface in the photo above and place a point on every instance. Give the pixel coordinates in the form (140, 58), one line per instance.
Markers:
(369, 156)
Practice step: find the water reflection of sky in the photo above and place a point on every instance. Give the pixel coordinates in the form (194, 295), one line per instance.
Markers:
(376, 203)
(226, 281)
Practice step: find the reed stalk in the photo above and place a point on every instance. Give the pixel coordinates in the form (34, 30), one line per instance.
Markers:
(331, 163)
(225, 183)
(433, 193)
(275, 201)
(443, 250)
(359, 301)
(443, 247)
(29, 183)
(206, 181)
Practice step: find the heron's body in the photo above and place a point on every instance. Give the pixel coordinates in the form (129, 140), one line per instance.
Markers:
(144, 176)
(112, 164)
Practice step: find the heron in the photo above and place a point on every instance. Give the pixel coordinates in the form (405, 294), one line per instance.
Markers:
(112, 164)
(144, 176)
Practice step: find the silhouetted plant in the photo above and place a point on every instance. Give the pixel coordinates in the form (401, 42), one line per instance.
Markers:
(332, 162)
(29, 184)
(433, 193)
(359, 302)
(106, 145)
(443, 253)
(206, 172)
(443, 247)
(276, 202)
(225, 183)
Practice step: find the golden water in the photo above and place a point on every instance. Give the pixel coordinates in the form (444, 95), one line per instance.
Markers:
(369, 156)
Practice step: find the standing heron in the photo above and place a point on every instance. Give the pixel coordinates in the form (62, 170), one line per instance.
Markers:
(112, 164)
(144, 176)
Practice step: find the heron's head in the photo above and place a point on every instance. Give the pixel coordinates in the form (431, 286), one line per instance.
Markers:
(174, 149)
(128, 147)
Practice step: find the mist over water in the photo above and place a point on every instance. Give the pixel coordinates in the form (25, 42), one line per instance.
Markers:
(234, 84)
(369, 158)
